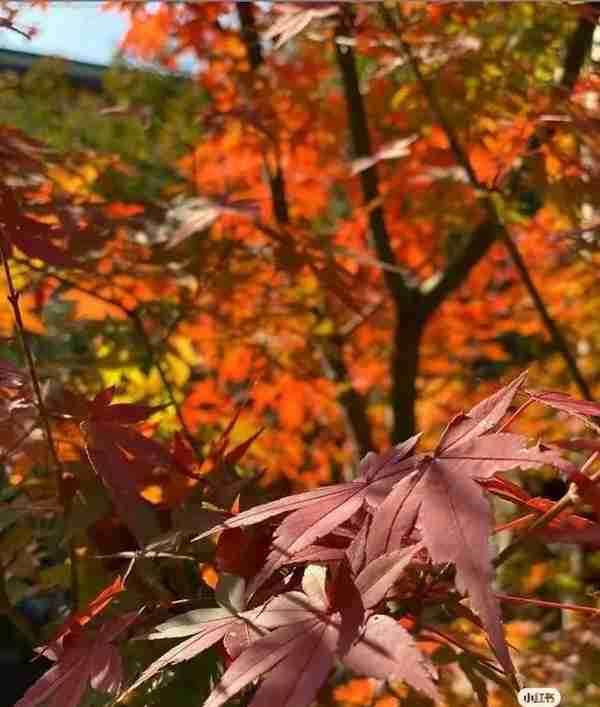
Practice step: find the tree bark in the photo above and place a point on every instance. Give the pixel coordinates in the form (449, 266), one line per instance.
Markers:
(404, 366)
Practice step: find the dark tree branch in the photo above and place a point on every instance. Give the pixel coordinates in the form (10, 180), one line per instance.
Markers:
(578, 49)
(353, 403)
(479, 242)
(249, 34)
(552, 327)
(492, 227)
(407, 299)
(330, 347)
(361, 144)
(251, 40)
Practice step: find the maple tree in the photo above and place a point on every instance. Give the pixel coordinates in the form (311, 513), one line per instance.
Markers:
(347, 221)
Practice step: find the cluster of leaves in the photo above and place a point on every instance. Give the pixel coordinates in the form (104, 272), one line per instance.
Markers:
(123, 142)
(342, 575)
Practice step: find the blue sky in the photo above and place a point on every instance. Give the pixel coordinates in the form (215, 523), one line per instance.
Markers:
(75, 30)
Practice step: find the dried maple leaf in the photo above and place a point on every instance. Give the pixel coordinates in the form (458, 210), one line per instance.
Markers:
(295, 17)
(391, 151)
(198, 214)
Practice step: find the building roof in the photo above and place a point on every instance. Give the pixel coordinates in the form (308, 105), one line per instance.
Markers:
(79, 72)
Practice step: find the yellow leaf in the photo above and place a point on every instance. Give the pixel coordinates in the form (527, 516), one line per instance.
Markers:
(178, 371)
(324, 328)
(400, 95)
(185, 349)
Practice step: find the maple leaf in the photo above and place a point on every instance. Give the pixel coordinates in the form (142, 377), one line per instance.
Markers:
(386, 650)
(295, 17)
(582, 409)
(297, 621)
(377, 577)
(33, 237)
(309, 633)
(121, 457)
(94, 607)
(83, 658)
(444, 499)
(204, 626)
(315, 514)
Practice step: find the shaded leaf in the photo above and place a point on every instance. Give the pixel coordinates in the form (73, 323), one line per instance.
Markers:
(388, 652)
(83, 659)
(379, 575)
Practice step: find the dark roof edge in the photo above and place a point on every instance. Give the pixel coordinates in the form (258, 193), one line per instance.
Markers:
(80, 73)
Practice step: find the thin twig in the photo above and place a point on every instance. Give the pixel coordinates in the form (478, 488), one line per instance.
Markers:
(590, 610)
(154, 359)
(63, 495)
(570, 499)
(128, 555)
(13, 299)
(135, 318)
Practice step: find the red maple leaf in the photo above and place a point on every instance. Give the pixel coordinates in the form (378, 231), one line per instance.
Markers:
(293, 639)
(314, 514)
(83, 658)
(34, 238)
(121, 457)
(94, 607)
(442, 497)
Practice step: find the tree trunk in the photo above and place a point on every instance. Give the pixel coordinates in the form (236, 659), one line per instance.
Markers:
(405, 368)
